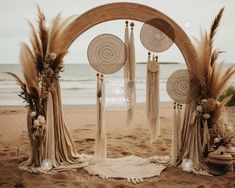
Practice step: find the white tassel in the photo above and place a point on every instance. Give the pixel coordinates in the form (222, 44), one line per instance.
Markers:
(127, 62)
(100, 142)
(179, 128)
(131, 81)
(174, 138)
(152, 99)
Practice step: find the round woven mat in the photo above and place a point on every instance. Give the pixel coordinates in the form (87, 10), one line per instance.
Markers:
(153, 67)
(106, 53)
(182, 86)
(157, 35)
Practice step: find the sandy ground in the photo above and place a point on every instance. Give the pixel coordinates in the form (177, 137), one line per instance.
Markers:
(122, 141)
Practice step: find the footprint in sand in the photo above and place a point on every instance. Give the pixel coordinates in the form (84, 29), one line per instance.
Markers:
(125, 153)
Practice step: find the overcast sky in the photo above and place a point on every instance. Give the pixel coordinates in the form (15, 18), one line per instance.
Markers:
(191, 15)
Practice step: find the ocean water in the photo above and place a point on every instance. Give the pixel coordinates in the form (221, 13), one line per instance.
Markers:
(78, 83)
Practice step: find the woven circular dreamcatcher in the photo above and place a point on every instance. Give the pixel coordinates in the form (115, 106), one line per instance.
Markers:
(153, 37)
(182, 86)
(153, 66)
(106, 53)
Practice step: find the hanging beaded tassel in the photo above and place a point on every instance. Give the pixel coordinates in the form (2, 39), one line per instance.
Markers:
(174, 137)
(127, 62)
(131, 80)
(176, 133)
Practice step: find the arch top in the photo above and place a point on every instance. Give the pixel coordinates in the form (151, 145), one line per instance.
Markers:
(133, 11)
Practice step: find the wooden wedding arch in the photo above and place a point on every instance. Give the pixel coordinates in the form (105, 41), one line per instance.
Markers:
(142, 13)
(133, 11)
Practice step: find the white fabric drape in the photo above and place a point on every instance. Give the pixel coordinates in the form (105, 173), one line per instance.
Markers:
(50, 136)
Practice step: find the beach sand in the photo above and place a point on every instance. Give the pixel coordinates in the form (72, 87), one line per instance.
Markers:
(121, 141)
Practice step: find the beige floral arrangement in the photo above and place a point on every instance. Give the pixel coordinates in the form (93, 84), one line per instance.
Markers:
(41, 62)
(212, 83)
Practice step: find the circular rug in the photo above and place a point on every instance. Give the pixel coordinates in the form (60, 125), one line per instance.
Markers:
(153, 37)
(182, 86)
(106, 53)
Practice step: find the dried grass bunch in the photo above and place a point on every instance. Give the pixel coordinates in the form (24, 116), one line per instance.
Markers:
(42, 60)
(213, 81)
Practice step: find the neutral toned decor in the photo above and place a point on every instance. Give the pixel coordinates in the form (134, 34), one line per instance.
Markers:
(106, 53)
(201, 138)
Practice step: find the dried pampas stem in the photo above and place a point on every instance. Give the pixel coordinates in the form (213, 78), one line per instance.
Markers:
(43, 33)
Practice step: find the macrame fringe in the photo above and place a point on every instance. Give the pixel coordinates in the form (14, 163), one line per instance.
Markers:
(152, 101)
(127, 64)
(100, 142)
(131, 79)
(176, 133)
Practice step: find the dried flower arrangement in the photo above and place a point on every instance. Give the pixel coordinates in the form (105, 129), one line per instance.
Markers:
(212, 82)
(41, 64)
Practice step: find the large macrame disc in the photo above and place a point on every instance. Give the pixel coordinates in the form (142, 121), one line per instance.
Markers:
(157, 35)
(106, 53)
(182, 86)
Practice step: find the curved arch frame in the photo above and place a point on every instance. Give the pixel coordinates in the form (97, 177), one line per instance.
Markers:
(133, 11)
(142, 13)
